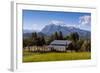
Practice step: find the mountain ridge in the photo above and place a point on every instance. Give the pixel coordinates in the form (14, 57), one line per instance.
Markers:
(48, 30)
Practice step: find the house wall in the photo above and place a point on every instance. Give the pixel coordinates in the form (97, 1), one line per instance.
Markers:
(59, 48)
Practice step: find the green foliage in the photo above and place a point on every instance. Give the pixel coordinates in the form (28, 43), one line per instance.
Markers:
(27, 42)
(70, 47)
(86, 46)
(34, 35)
(67, 38)
(60, 35)
(51, 38)
(35, 40)
(40, 41)
(77, 43)
(74, 36)
(43, 40)
(56, 36)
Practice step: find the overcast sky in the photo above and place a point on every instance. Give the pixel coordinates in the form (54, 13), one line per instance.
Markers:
(36, 20)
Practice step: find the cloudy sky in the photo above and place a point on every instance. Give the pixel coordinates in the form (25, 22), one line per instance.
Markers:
(36, 20)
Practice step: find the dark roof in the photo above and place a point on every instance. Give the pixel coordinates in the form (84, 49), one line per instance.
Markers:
(61, 42)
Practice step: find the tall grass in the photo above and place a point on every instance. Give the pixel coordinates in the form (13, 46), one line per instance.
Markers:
(55, 56)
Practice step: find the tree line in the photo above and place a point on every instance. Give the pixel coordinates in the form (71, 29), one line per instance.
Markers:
(77, 44)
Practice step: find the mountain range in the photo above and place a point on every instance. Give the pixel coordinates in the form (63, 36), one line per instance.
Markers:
(52, 28)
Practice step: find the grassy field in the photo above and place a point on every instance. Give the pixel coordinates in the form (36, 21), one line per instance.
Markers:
(54, 56)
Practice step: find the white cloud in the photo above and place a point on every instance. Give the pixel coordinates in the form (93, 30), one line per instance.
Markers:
(56, 22)
(34, 27)
(85, 20)
(61, 23)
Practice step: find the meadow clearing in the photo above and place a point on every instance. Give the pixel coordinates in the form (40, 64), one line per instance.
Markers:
(54, 56)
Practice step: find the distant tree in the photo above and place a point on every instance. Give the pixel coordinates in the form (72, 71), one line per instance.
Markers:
(73, 46)
(27, 43)
(74, 36)
(86, 46)
(34, 35)
(51, 38)
(43, 40)
(79, 44)
(56, 36)
(67, 37)
(38, 41)
(70, 47)
(89, 46)
(60, 35)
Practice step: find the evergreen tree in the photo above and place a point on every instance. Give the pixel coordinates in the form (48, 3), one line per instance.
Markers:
(43, 41)
(74, 36)
(34, 35)
(86, 46)
(56, 37)
(60, 35)
(51, 38)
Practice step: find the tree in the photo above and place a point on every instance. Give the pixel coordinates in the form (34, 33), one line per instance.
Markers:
(56, 37)
(38, 40)
(41, 41)
(74, 36)
(60, 35)
(50, 39)
(86, 46)
(79, 44)
(67, 37)
(34, 35)
(89, 46)
(27, 43)
(70, 47)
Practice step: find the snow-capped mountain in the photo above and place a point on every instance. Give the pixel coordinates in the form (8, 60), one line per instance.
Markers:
(48, 30)
(52, 28)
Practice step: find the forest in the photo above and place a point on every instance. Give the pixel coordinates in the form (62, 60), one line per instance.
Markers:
(78, 43)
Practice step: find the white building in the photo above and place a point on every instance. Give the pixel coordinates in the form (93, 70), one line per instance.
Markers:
(59, 45)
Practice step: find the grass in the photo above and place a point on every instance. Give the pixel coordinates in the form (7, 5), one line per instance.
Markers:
(55, 56)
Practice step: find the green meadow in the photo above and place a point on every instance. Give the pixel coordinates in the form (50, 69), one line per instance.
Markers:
(54, 56)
